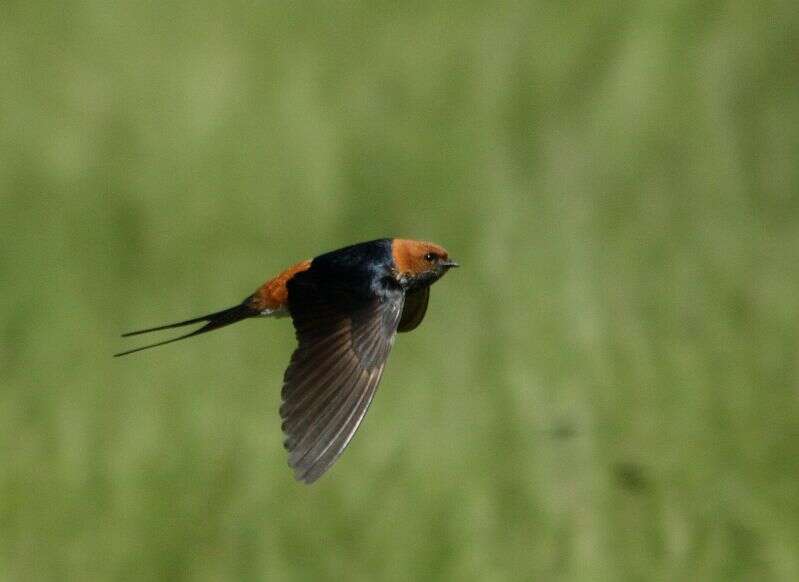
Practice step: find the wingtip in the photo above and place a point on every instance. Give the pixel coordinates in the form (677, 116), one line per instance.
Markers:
(306, 477)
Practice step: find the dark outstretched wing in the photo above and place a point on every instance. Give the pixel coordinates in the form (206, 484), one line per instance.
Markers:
(333, 373)
(414, 309)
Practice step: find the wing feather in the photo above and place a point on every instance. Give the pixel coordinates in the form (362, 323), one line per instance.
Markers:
(318, 435)
(414, 309)
(328, 449)
(333, 374)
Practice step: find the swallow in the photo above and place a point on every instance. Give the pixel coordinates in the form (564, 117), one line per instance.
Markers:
(347, 307)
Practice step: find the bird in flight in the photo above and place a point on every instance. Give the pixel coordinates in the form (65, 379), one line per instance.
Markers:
(347, 307)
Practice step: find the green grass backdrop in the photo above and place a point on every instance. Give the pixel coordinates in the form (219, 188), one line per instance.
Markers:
(606, 390)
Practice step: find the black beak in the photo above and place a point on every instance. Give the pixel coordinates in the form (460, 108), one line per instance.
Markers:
(449, 264)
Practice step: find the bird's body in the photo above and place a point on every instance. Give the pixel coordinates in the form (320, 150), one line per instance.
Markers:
(347, 306)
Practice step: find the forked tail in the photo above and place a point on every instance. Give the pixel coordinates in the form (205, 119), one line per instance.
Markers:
(214, 321)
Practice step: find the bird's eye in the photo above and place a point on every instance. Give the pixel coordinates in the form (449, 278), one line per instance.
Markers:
(430, 257)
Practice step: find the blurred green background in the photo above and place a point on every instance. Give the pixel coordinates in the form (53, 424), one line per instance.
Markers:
(606, 390)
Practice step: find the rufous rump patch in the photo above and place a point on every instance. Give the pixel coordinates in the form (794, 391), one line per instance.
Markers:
(409, 255)
(273, 295)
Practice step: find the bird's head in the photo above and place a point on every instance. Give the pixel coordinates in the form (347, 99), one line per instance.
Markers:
(418, 263)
